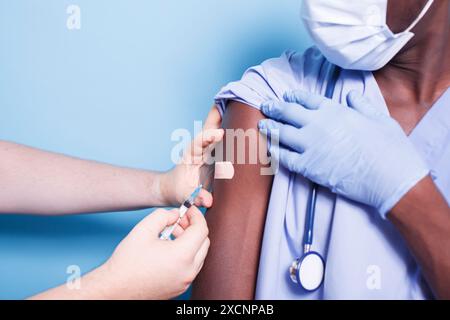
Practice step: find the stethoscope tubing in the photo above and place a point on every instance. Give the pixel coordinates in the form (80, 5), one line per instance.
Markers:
(311, 209)
(309, 226)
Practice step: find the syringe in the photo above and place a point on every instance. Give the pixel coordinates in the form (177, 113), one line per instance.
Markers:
(165, 235)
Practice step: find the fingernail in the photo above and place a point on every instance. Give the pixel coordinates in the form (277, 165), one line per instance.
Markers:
(262, 124)
(269, 124)
(266, 106)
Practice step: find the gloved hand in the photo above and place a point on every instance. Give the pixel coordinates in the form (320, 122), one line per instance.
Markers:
(357, 151)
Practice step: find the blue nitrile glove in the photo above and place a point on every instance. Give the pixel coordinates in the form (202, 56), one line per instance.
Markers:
(357, 152)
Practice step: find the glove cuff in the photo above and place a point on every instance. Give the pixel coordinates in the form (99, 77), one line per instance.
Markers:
(403, 189)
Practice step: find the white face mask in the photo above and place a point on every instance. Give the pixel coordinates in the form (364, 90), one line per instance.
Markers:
(353, 34)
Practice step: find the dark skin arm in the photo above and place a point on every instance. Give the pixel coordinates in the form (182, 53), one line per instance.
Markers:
(236, 225)
(423, 219)
(411, 83)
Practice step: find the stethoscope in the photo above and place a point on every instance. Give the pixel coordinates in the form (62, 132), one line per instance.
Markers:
(309, 270)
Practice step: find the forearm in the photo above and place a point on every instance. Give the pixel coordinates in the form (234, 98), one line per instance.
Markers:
(423, 219)
(38, 182)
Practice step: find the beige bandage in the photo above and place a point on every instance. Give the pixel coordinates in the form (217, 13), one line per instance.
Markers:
(224, 171)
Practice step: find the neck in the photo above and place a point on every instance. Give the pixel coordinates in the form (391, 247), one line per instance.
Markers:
(422, 68)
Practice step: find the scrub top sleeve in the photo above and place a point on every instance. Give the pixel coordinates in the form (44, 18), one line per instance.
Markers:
(261, 83)
(252, 90)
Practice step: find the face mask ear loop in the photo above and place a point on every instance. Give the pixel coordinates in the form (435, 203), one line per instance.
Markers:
(421, 15)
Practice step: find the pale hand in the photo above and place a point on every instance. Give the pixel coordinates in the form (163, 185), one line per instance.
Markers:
(195, 167)
(145, 267)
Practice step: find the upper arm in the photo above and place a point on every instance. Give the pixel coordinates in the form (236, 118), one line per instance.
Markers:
(236, 221)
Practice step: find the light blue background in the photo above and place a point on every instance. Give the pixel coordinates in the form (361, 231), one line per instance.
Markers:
(114, 91)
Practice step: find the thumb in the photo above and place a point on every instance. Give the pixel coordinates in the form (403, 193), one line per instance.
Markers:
(211, 137)
(154, 223)
(197, 231)
(204, 141)
(213, 120)
(358, 102)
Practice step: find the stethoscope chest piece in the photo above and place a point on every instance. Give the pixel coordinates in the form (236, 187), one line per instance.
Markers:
(308, 271)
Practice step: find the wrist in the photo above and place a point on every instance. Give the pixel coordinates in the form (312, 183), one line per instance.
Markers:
(111, 283)
(403, 189)
(108, 283)
(415, 197)
(95, 285)
(156, 193)
(165, 189)
(122, 283)
(99, 284)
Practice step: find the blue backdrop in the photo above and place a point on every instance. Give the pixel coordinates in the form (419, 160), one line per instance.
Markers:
(113, 91)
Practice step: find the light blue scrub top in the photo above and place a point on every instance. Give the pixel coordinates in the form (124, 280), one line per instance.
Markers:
(366, 258)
